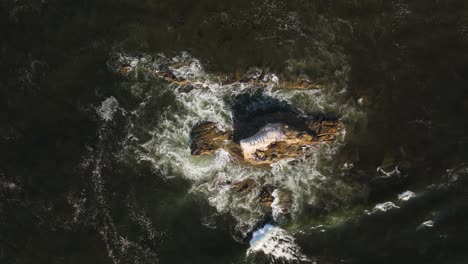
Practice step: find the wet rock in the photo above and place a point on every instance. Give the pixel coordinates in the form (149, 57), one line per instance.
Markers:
(207, 138)
(255, 76)
(275, 142)
(244, 186)
(303, 82)
(125, 70)
(265, 197)
(266, 130)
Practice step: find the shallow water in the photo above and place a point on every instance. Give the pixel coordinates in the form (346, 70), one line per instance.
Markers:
(96, 167)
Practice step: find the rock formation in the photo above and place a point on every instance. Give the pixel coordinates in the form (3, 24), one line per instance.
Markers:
(275, 142)
(207, 138)
(270, 144)
(265, 197)
(253, 76)
(244, 186)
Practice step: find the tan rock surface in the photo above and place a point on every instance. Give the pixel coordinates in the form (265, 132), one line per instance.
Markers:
(207, 138)
(244, 186)
(270, 144)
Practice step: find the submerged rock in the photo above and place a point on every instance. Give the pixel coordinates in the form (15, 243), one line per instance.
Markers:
(265, 197)
(325, 130)
(244, 186)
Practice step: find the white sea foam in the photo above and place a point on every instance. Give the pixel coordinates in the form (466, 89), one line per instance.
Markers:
(108, 108)
(406, 196)
(280, 205)
(275, 243)
(384, 207)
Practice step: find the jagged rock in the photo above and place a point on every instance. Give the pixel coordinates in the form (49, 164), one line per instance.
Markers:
(281, 204)
(207, 138)
(244, 186)
(325, 130)
(275, 142)
(265, 197)
(270, 144)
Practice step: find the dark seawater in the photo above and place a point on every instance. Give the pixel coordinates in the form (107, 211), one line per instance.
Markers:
(73, 185)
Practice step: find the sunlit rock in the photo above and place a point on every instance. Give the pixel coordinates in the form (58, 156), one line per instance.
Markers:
(244, 186)
(275, 142)
(326, 130)
(207, 138)
(266, 198)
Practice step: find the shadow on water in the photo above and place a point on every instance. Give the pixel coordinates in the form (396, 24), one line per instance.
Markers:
(254, 109)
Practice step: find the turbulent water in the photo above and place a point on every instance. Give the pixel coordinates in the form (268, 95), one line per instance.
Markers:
(168, 150)
(95, 143)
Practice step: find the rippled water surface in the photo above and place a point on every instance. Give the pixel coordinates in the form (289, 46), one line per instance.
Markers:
(96, 163)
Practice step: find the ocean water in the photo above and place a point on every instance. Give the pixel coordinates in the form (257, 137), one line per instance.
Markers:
(96, 167)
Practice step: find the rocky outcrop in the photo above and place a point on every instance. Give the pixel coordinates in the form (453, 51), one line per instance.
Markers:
(207, 138)
(325, 130)
(275, 142)
(270, 144)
